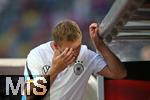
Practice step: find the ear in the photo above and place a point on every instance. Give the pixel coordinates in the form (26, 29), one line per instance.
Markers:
(54, 45)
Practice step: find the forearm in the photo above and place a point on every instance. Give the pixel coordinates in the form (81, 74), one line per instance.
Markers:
(53, 74)
(114, 64)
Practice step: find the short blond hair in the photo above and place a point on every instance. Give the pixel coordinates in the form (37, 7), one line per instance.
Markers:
(66, 30)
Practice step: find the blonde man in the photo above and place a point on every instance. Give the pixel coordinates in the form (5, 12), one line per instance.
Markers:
(70, 64)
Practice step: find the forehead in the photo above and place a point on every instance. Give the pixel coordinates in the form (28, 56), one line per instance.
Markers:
(71, 44)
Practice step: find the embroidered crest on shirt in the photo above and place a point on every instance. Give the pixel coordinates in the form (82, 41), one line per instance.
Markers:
(45, 68)
(78, 67)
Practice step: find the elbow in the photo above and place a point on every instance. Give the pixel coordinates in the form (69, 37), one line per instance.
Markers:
(121, 75)
(124, 75)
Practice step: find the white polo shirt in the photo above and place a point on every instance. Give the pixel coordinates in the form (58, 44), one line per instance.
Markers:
(70, 84)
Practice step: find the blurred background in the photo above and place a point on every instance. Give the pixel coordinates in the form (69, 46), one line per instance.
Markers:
(25, 24)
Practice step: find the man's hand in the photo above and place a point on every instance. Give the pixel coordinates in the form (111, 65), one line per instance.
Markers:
(62, 60)
(93, 30)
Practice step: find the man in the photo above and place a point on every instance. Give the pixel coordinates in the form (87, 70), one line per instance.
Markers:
(70, 64)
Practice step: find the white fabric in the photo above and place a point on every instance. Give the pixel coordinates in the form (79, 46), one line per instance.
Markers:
(68, 85)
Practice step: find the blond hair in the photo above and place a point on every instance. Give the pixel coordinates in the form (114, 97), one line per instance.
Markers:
(66, 30)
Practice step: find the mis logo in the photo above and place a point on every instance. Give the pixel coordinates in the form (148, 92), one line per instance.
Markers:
(15, 85)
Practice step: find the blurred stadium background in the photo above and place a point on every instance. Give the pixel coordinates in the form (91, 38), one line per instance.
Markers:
(28, 23)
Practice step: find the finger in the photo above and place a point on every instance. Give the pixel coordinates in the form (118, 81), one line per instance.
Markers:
(76, 54)
(64, 52)
(71, 60)
(93, 28)
(69, 57)
(69, 53)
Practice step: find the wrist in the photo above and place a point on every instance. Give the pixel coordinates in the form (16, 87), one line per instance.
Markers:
(53, 72)
(99, 43)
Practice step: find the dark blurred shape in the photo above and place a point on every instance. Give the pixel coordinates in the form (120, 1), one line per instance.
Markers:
(136, 86)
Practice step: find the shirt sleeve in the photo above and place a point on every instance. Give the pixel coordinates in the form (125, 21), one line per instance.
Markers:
(33, 66)
(97, 62)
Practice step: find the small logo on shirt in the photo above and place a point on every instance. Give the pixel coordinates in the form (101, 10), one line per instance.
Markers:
(45, 68)
(78, 67)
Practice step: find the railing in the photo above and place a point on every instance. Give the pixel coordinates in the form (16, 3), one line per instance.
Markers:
(12, 66)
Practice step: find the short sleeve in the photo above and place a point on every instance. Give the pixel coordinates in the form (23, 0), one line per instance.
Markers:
(97, 62)
(33, 65)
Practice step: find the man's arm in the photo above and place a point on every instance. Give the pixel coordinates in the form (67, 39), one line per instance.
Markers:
(59, 63)
(115, 68)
